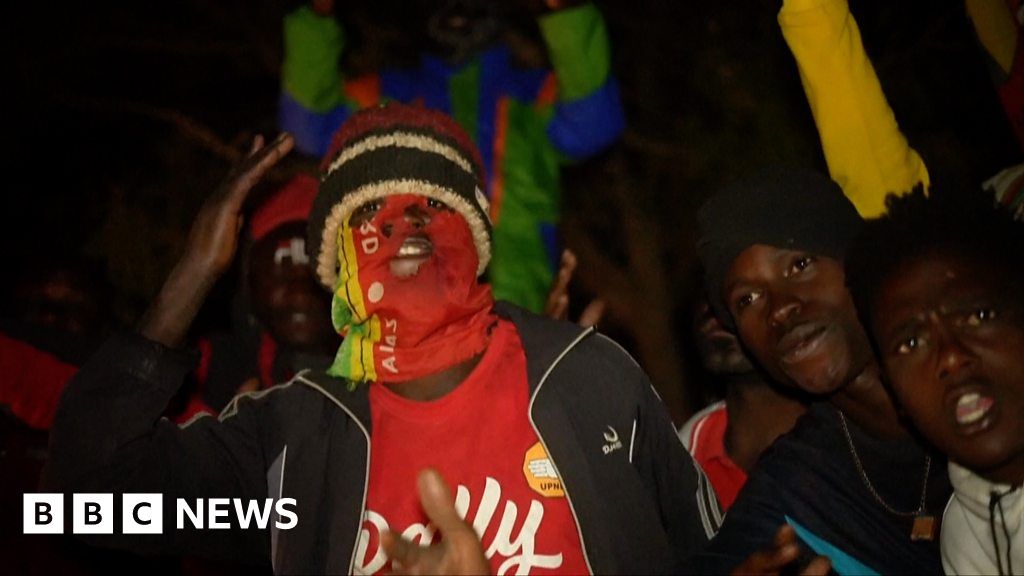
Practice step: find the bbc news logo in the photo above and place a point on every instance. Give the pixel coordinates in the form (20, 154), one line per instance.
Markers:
(143, 513)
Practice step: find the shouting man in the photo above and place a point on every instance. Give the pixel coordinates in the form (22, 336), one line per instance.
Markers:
(939, 283)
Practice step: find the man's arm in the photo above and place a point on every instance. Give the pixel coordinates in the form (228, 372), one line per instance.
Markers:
(866, 152)
(687, 504)
(211, 246)
(108, 436)
(749, 529)
(588, 115)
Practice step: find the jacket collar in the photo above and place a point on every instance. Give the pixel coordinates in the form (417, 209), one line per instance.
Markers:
(975, 492)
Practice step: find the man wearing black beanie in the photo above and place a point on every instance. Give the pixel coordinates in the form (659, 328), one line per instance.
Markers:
(850, 482)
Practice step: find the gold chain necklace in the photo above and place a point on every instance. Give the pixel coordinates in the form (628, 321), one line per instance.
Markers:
(924, 524)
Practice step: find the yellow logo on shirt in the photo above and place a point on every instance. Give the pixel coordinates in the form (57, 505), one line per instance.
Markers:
(540, 473)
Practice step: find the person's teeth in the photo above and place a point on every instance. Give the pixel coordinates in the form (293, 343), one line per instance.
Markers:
(971, 417)
(972, 407)
(412, 249)
(968, 399)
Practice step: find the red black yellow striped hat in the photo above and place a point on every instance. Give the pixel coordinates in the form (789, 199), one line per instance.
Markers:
(396, 149)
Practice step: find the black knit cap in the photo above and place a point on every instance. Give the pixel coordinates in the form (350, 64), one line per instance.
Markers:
(396, 149)
(789, 208)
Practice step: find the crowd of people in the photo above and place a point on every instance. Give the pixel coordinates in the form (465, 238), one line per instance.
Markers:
(400, 363)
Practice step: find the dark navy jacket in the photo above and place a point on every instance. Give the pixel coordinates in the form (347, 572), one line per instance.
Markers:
(808, 478)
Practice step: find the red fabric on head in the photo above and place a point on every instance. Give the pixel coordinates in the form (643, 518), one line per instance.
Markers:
(291, 203)
(420, 324)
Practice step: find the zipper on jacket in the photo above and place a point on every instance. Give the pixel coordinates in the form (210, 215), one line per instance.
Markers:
(274, 531)
(366, 478)
(529, 414)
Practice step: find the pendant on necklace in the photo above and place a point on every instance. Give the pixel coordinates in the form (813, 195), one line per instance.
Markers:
(924, 528)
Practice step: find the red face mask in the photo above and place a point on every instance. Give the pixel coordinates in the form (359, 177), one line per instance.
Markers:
(408, 302)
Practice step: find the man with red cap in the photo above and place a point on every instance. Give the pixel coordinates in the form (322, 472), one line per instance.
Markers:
(286, 325)
(562, 457)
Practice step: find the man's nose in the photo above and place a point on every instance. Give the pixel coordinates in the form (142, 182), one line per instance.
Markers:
(417, 216)
(414, 214)
(303, 285)
(955, 359)
(784, 307)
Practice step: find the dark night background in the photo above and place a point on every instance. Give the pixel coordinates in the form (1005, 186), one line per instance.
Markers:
(124, 116)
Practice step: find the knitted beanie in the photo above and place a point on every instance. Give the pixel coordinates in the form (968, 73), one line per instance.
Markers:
(396, 149)
(788, 208)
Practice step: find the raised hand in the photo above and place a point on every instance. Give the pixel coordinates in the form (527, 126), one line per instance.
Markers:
(459, 551)
(211, 246)
(213, 239)
(557, 306)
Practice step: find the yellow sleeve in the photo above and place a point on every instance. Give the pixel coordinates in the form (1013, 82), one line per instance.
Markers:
(866, 152)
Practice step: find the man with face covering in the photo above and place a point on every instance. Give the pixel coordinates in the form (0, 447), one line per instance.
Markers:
(562, 457)
(849, 482)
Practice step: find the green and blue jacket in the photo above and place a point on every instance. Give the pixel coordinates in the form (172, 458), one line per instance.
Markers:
(526, 122)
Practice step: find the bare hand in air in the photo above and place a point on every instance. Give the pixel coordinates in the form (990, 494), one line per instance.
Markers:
(557, 306)
(211, 246)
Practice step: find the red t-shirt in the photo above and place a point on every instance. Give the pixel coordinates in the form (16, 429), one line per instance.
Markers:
(704, 437)
(480, 439)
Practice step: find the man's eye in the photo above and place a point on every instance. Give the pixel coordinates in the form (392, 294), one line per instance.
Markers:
(437, 204)
(747, 299)
(368, 208)
(800, 264)
(981, 315)
(907, 346)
